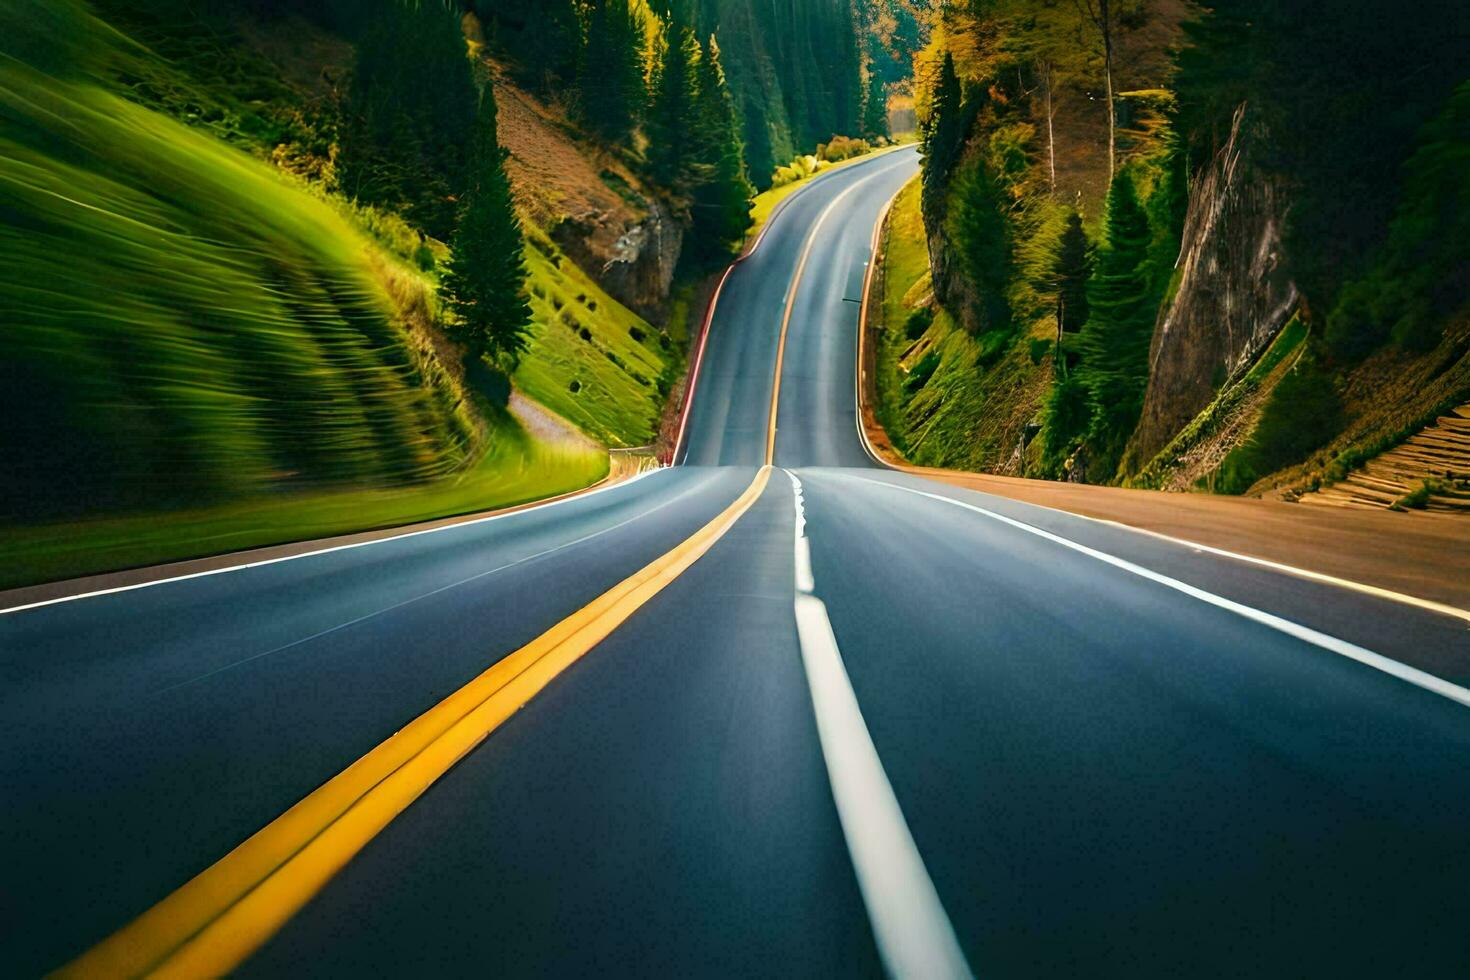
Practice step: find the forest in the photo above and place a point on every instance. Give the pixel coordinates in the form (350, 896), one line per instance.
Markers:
(1186, 246)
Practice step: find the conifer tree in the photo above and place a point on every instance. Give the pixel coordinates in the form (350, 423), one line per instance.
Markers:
(981, 235)
(721, 199)
(1073, 269)
(672, 115)
(610, 79)
(486, 279)
(1114, 344)
(543, 38)
(944, 134)
(410, 110)
(552, 43)
(875, 108)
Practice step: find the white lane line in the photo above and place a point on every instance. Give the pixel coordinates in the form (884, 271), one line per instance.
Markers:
(1419, 678)
(914, 935)
(327, 551)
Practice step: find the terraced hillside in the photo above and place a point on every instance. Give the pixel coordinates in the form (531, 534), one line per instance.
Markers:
(1429, 471)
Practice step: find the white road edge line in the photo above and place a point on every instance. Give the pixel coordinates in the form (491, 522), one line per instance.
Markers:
(1443, 609)
(914, 935)
(1419, 678)
(326, 551)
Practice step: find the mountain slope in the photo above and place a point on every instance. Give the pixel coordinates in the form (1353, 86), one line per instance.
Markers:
(207, 347)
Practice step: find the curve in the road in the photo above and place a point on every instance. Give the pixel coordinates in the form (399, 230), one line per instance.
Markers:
(1097, 771)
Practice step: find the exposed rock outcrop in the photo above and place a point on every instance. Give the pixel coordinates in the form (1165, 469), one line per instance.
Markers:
(1234, 292)
(633, 257)
(596, 209)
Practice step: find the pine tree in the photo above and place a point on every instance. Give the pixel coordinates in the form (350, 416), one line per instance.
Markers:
(672, 115)
(981, 236)
(722, 194)
(875, 108)
(410, 111)
(487, 274)
(610, 79)
(944, 135)
(1114, 344)
(1073, 269)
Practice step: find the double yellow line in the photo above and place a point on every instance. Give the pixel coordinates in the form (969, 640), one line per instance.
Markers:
(218, 919)
(213, 923)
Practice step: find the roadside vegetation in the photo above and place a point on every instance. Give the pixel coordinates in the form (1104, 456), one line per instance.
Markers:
(802, 170)
(1066, 147)
(265, 281)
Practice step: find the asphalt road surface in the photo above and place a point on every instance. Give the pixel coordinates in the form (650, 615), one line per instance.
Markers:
(879, 724)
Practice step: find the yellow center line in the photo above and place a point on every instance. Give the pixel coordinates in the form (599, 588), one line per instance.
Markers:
(214, 922)
(806, 251)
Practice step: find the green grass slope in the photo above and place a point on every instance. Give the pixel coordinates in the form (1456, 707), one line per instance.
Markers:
(591, 359)
(201, 353)
(946, 397)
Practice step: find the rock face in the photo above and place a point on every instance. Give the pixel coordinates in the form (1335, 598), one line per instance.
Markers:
(632, 256)
(641, 268)
(954, 292)
(1234, 291)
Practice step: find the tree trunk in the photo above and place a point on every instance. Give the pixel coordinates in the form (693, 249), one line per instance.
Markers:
(1051, 138)
(1112, 116)
(1101, 14)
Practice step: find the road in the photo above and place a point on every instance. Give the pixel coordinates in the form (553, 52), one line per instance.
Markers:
(845, 720)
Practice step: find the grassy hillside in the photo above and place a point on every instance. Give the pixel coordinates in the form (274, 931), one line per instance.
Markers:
(592, 360)
(188, 322)
(945, 397)
(203, 352)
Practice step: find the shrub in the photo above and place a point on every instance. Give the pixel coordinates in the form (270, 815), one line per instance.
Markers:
(1068, 412)
(799, 169)
(841, 148)
(922, 372)
(918, 322)
(637, 335)
(1039, 349)
(1418, 498)
(585, 334)
(1302, 414)
(575, 386)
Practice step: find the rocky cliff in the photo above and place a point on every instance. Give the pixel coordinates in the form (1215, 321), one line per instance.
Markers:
(1234, 290)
